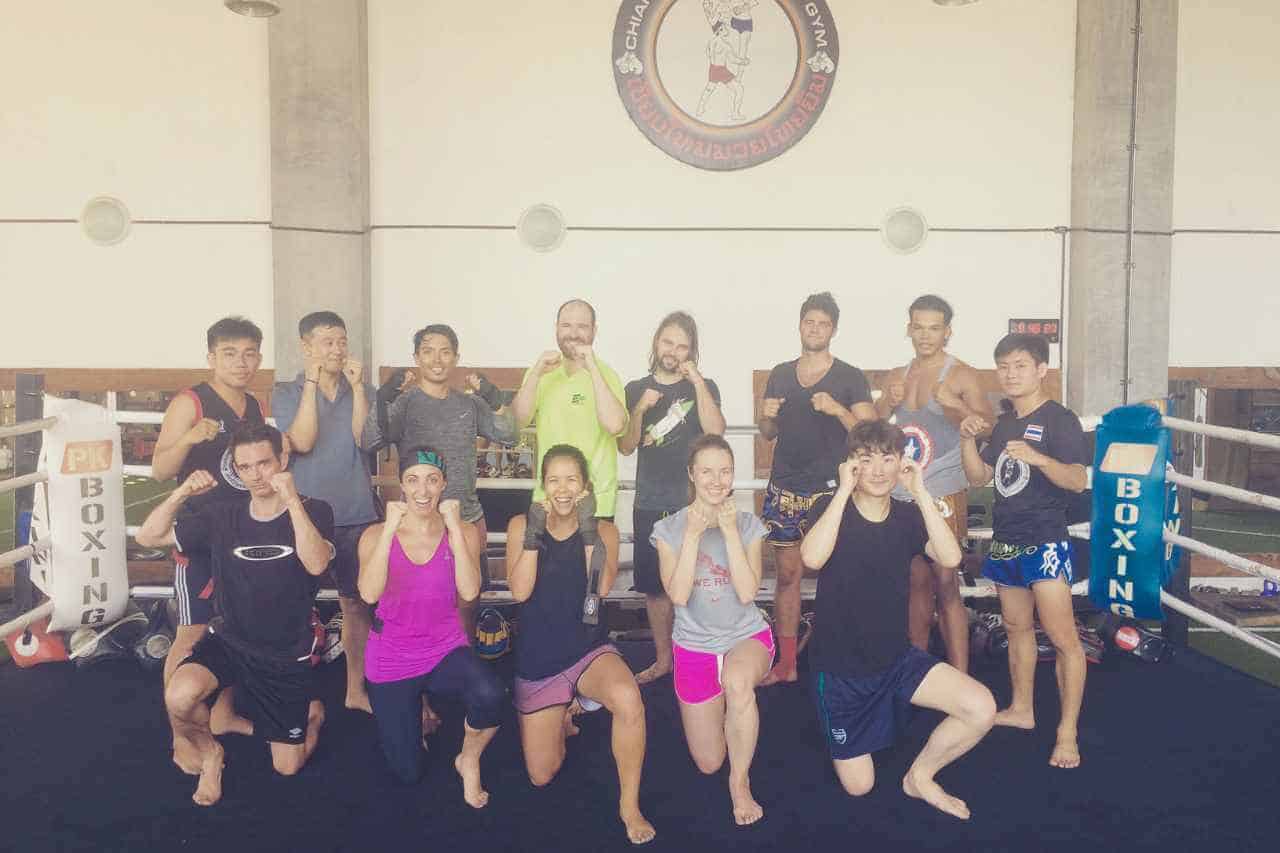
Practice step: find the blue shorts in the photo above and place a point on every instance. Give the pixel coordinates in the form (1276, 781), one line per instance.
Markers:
(742, 25)
(862, 715)
(1013, 565)
(786, 514)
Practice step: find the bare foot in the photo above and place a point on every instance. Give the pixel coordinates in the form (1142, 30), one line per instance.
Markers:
(639, 830)
(430, 719)
(209, 789)
(1016, 719)
(476, 796)
(360, 702)
(653, 673)
(745, 808)
(570, 729)
(186, 756)
(931, 792)
(779, 674)
(1066, 753)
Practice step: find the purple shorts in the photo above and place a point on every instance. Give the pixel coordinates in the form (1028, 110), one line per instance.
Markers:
(697, 676)
(558, 689)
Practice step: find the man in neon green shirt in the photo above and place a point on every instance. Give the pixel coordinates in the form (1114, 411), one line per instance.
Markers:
(576, 399)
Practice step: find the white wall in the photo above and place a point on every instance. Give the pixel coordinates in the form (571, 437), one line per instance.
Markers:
(165, 106)
(1225, 287)
(965, 114)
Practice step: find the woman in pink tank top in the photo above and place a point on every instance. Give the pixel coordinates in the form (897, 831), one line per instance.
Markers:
(414, 568)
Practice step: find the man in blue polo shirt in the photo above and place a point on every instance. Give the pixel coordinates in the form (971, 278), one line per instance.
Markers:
(323, 411)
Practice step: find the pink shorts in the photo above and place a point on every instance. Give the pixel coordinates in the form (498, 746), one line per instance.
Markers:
(558, 689)
(697, 675)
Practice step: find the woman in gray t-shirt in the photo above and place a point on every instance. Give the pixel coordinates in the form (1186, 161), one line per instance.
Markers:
(709, 557)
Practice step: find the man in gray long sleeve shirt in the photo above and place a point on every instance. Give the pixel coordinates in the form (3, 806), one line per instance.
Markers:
(429, 412)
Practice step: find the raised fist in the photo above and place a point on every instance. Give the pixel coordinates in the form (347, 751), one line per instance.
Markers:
(282, 483)
(648, 399)
(974, 426)
(451, 510)
(895, 393)
(547, 362)
(396, 511)
(199, 482)
(353, 370)
(771, 406)
(205, 429)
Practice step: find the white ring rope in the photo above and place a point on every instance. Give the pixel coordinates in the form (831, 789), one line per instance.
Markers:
(27, 618)
(1222, 490)
(1192, 612)
(1227, 558)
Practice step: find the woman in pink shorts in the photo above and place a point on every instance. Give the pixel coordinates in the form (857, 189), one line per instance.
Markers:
(709, 556)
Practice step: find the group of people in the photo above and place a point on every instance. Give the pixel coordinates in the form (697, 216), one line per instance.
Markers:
(869, 494)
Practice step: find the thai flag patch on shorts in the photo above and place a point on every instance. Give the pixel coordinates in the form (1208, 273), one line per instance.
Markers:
(1034, 432)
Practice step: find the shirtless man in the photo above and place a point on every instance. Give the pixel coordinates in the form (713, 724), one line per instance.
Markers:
(928, 400)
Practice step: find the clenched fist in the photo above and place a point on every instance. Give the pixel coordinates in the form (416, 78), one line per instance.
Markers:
(205, 429)
(451, 511)
(771, 406)
(197, 483)
(282, 483)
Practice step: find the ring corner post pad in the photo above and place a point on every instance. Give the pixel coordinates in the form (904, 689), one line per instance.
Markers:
(1130, 502)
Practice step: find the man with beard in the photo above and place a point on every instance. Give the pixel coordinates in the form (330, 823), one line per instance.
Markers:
(809, 406)
(670, 407)
(574, 398)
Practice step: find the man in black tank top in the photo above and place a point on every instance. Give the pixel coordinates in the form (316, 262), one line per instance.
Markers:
(195, 436)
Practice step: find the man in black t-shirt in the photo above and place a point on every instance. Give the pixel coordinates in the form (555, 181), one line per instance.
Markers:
(809, 406)
(1038, 458)
(866, 673)
(267, 553)
(669, 408)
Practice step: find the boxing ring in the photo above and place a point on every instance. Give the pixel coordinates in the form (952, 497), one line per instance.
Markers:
(1176, 755)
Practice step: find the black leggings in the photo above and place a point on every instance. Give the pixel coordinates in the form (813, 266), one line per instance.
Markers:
(397, 707)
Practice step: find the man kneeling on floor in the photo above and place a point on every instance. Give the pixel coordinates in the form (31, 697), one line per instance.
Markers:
(267, 554)
(866, 673)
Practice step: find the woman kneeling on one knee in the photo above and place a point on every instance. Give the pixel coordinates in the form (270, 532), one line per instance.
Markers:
(558, 566)
(709, 555)
(414, 567)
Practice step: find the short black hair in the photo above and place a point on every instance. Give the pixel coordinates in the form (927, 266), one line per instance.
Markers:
(316, 319)
(577, 301)
(824, 302)
(436, 329)
(1033, 345)
(876, 437)
(930, 302)
(252, 433)
(567, 451)
(233, 329)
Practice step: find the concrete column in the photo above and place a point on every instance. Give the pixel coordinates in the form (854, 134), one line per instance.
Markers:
(1100, 203)
(320, 172)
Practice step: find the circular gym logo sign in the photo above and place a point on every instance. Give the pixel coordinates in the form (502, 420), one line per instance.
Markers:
(724, 84)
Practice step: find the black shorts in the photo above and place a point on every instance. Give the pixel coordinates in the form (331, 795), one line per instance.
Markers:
(275, 697)
(345, 568)
(862, 715)
(193, 587)
(644, 556)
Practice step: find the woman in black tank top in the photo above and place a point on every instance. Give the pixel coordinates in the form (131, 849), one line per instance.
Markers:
(560, 573)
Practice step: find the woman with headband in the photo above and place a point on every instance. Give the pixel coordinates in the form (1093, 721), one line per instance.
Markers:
(415, 567)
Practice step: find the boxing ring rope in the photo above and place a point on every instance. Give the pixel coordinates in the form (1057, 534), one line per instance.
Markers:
(1244, 635)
